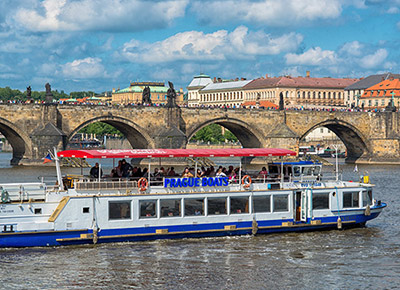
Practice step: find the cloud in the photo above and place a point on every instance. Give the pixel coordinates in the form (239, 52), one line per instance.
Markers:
(374, 60)
(100, 15)
(314, 56)
(86, 68)
(270, 12)
(219, 45)
(352, 48)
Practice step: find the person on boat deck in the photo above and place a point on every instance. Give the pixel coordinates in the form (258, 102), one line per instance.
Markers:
(145, 172)
(187, 173)
(157, 174)
(94, 171)
(263, 173)
(126, 168)
(118, 169)
(220, 173)
(199, 173)
(171, 172)
(212, 172)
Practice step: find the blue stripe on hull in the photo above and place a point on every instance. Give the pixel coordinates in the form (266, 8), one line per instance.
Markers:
(174, 232)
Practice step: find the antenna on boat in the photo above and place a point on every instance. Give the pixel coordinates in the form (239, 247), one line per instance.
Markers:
(336, 161)
(58, 169)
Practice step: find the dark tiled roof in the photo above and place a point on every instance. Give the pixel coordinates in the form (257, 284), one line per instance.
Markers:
(299, 82)
(370, 81)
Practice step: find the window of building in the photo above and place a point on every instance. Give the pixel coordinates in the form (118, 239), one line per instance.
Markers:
(216, 205)
(148, 209)
(280, 203)
(383, 102)
(322, 130)
(350, 199)
(370, 103)
(194, 206)
(262, 203)
(239, 204)
(85, 210)
(320, 200)
(170, 207)
(376, 103)
(118, 210)
(367, 197)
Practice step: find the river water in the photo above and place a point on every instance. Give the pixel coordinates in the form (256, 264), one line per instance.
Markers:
(363, 258)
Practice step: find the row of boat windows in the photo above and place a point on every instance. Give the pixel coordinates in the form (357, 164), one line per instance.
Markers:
(197, 206)
(220, 205)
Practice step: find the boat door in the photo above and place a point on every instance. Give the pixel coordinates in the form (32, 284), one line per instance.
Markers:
(305, 203)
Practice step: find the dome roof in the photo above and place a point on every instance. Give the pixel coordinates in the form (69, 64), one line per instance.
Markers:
(201, 80)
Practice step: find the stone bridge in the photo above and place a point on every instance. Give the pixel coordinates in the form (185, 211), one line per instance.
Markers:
(33, 129)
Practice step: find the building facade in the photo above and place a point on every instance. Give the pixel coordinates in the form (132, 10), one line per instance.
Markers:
(354, 91)
(299, 91)
(133, 94)
(382, 94)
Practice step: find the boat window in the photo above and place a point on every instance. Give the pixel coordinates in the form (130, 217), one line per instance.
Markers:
(38, 211)
(118, 210)
(273, 170)
(170, 207)
(350, 199)
(216, 205)
(296, 171)
(367, 197)
(85, 210)
(194, 206)
(148, 209)
(280, 203)
(307, 170)
(317, 170)
(239, 204)
(262, 203)
(320, 200)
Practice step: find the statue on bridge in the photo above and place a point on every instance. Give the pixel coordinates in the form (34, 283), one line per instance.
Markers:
(171, 96)
(146, 96)
(29, 93)
(49, 94)
(281, 102)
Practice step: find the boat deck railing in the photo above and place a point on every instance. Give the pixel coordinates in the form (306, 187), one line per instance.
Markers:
(86, 183)
(12, 192)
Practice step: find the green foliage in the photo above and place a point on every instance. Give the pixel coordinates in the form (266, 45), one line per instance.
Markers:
(213, 134)
(101, 129)
(9, 94)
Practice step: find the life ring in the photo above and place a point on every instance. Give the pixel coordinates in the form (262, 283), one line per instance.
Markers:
(246, 181)
(142, 184)
(5, 197)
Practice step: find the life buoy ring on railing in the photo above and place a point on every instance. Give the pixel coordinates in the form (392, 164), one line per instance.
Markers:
(142, 184)
(5, 197)
(246, 181)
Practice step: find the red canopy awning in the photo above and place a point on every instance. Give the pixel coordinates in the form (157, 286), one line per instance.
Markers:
(147, 153)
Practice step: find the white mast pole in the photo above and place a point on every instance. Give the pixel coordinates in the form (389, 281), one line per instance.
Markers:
(58, 170)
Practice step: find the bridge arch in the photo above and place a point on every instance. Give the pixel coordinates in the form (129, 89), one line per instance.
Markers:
(248, 136)
(137, 136)
(356, 144)
(19, 141)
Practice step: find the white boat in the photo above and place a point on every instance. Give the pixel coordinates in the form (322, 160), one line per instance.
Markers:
(81, 210)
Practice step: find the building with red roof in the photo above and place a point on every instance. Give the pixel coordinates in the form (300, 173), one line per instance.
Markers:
(299, 91)
(381, 95)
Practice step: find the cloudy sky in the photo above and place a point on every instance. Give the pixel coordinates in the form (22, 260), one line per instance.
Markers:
(103, 44)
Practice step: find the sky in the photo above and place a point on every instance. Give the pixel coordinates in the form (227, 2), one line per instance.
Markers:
(97, 45)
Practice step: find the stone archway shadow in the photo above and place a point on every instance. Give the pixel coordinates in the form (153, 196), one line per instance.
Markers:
(137, 136)
(356, 144)
(19, 141)
(247, 136)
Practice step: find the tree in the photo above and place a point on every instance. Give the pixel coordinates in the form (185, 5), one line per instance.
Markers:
(100, 129)
(213, 134)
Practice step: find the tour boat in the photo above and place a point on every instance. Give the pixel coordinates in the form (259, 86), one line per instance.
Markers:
(291, 196)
